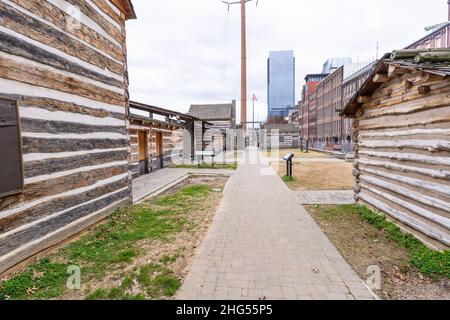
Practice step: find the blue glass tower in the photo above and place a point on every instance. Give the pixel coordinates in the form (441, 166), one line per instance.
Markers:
(281, 83)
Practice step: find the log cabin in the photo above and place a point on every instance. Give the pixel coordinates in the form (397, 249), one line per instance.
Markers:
(64, 143)
(402, 133)
(159, 137)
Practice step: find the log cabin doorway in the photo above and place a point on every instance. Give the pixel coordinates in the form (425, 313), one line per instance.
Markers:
(143, 152)
(159, 151)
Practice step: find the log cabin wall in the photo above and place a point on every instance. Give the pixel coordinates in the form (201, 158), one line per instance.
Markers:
(403, 152)
(172, 144)
(65, 63)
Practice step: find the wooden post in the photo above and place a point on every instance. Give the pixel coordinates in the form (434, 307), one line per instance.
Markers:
(243, 68)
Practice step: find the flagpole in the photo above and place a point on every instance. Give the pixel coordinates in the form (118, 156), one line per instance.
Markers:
(253, 115)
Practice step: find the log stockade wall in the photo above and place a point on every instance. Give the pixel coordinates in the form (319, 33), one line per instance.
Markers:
(172, 143)
(65, 62)
(403, 153)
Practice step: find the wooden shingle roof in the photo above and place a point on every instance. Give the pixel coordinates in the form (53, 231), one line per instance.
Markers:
(434, 61)
(127, 7)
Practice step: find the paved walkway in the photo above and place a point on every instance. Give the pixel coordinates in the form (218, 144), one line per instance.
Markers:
(264, 245)
(161, 180)
(334, 197)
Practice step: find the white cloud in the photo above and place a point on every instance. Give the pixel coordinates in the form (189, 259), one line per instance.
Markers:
(183, 52)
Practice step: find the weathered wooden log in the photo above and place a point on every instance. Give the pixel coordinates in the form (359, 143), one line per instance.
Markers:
(407, 219)
(380, 78)
(429, 145)
(15, 20)
(424, 89)
(363, 99)
(113, 31)
(356, 173)
(10, 260)
(423, 184)
(407, 157)
(39, 145)
(433, 56)
(55, 127)
(52, 207)
(23, 49)
(408, 84)
(59, 18)
(42, 77)
(414, 196)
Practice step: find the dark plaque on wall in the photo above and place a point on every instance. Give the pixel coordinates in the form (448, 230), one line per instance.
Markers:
(11, 173)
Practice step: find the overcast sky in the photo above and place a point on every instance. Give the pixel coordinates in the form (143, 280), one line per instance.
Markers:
(183, 52)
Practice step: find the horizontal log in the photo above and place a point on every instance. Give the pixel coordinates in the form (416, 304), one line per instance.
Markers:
(440, 174)
(429, 145)
(407, 219)
(381, 98)
(433, 116)
(19, 71)
(401, 133)
(38, 145)
(410, 207)
(21, 48)
(421, 184)
(433, 56)
(415, 196)
(14, 257)
(410, 157)
(409, 107)
(34, 29)
(58, 185)
(58, 127)
(44, 207)
(59, 19)
(108, 27)
(108, 9)
(55, 105)
(69, 117)
(39, 168)
(41, 229)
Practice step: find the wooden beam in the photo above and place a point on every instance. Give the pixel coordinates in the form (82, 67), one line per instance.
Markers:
(394, 70)
(381, 78)
(408, 84)
(424, 89)
(364, 99)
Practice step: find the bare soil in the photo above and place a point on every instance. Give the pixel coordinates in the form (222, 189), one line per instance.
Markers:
(298, 154)
(362, 245)
(314, 176)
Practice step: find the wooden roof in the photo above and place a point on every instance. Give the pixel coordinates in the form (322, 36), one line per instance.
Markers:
(127, 7)
(162, 111)
(434, 61)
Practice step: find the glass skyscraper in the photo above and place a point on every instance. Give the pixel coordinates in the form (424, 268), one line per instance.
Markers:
(281, 83)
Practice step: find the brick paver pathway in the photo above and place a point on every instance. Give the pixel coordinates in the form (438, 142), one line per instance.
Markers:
(264, 245)
(326, 197)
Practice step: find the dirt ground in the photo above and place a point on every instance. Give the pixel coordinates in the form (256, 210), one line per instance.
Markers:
(298, 154)
(311, 176)
(183, 245)
(362, 245)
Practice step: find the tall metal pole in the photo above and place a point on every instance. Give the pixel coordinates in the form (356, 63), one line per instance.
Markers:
(243, 67)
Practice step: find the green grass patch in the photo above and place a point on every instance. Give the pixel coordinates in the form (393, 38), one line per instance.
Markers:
(430, 262)
(288, 179)
(111, 245)
(226, 166)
